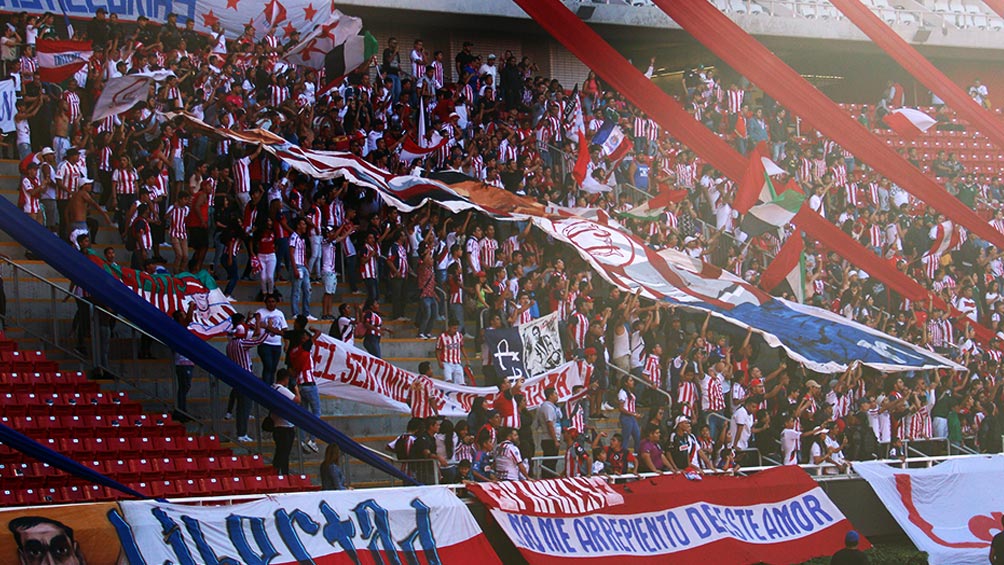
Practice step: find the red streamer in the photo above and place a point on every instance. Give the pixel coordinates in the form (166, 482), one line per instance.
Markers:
(996, 5)
(742, 52)
(921, 69)
(606, 62)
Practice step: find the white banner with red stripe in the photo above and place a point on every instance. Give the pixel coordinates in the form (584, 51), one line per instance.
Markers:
(59, 60)
(776, 516)
(345, 372)
(952, 510)
(400, 525)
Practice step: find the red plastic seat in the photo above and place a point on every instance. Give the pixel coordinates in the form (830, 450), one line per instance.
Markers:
(9, 497)
(140, 469)
(74, 494)
(212, 486)
(256, 484)
(277, 483)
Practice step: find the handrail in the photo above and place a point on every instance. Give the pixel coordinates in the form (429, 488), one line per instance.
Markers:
(53, 341)
(641, 380)
(395, 460)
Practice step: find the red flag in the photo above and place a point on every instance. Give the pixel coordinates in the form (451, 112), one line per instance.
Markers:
(909, 123)
(754, 185)
(786, 260)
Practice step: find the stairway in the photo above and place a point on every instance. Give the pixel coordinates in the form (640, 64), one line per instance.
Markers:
(151, 381)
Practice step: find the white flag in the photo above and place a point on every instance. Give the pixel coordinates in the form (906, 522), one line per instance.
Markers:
(310, 51)
(124, 92)
(8, 108)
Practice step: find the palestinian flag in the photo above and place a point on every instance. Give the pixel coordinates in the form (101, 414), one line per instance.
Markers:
(756, 184)
(349, 56)
(786, 272)
(773, 214)
(171, 293)
(653, 208)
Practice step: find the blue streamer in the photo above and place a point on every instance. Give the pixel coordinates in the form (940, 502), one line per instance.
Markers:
(106, 290)
(28, 446)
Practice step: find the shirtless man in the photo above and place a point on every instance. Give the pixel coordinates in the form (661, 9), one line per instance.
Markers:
(61, 130)
(76, 210)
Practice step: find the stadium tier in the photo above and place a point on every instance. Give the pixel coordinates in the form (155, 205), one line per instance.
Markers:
(530, 250)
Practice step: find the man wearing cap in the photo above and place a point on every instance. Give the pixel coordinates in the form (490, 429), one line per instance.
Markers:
(684, 448)
(68, 176)
(31, 191)
(850, 554)
(490, 69)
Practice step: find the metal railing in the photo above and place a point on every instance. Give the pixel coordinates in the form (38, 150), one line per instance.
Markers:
(641, 380)
(410, 463)
(98, 343)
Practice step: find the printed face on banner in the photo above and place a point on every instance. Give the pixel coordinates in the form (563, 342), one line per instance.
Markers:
(72, 535)
(541, 345)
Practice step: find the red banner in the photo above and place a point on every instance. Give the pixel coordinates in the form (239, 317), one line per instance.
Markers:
(777, 516)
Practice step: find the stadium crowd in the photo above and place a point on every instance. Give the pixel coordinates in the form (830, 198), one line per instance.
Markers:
(688, 391)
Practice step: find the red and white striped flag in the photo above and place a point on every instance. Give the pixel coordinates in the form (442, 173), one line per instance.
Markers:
(946, 237)
(59, 60)
(909, 122)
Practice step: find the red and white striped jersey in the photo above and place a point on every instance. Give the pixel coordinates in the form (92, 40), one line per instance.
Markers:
(525, 317)
(448, 347)
(818, 168)
(176, 217)
(686, 174)
(507, 460)
(575, 456)
(125, 181)
(73, 103)
(488, 248)
(839, 172)
(105, 159)
(141, 231)
(437, 71)
(578, 330)
(28, 203)
(71, 175)
(242, 175)
(716, 396)
(368, 264)
(298, 249)
(239, 345)
(277, 95)
(653, 370)
(646, 128)
(315, 220)
(28, 65)
(399, 258)
(455, 285)
(686, 398)
(374, 320)
(627, 400)
(422, 397)
(876, 236)
(805, 170)
(735, 100)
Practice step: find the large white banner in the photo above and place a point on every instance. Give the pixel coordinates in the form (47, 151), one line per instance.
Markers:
(345, 372)
(401, 525)
(8, 105)
(124, 92)
(951, 510)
